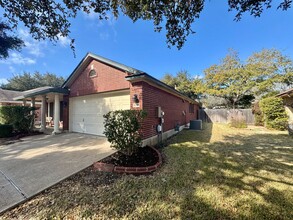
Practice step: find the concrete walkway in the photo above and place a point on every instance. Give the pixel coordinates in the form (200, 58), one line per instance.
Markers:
(38, 162)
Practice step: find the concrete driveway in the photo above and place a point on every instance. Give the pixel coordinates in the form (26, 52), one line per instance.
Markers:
(38, 162)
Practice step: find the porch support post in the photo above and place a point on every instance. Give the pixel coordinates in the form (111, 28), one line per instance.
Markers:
(48, 115)
(33, 111)
(24, 102)
(43, 114)
(56, 114)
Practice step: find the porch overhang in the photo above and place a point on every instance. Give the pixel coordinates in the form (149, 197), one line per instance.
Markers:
(39, 92)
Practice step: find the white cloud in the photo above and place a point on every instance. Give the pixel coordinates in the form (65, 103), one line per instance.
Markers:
(63, 41)
(91, 15)
(32, 46)
(3, 81)
(11, 69)
(110, 20)
(198, 77)
(104, 35)
(17, 58)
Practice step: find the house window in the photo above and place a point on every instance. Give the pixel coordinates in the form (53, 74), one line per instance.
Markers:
(191, 108)
(92, 73)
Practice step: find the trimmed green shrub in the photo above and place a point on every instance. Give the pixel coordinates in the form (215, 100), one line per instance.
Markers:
(274, 113)
(258, 116)
(18, 116)
(6, 130)
(236, 119)
(122, 129)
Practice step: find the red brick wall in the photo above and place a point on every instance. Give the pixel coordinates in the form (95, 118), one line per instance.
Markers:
(173, 106)
(108, 79)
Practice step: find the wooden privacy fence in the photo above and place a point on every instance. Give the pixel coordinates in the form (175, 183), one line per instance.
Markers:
(221, 115)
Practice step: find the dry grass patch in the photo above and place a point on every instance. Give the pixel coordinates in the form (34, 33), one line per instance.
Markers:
(217, 173)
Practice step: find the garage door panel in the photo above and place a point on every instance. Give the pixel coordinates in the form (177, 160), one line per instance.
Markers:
(78, 127)
(86, 112)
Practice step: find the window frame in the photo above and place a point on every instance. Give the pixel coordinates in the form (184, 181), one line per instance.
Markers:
(191, 108)
(92, 76)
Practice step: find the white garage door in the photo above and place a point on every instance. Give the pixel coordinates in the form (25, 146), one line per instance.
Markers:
(86, 112)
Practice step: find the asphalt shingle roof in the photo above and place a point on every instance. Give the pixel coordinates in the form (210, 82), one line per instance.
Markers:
(8, 95)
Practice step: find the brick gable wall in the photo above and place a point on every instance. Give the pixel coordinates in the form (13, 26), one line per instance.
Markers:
(108, 79)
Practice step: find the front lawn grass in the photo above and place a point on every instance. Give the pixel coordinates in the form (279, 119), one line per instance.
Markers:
(217, 173)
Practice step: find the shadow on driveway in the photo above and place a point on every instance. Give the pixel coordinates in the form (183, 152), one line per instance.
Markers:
(38, 162)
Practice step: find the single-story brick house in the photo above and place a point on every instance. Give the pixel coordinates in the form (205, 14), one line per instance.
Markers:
(99, 85)
(287, 97)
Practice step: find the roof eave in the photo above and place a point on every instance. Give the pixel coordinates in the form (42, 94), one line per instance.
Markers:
(42, 92)
(90, 56)
(286, 93)
(146, 77)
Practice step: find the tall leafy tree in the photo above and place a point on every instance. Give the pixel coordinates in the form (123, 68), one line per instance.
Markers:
(8, 41)
(28, 81)
(51, 19)
(236, 81)
(227, 79)
(183, 82)
(271, 70)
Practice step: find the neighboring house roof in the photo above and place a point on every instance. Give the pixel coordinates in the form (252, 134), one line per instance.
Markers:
(88, 58)
(8, 95)
(41, 91)
(286, 93)
(134, 74)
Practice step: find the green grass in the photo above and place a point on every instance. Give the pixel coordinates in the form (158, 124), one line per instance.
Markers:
(217, 173)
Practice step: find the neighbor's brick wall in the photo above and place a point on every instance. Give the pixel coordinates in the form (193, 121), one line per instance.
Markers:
(173, 106)
(108, 79)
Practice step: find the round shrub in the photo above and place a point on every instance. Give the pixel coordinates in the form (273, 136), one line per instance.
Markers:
(275, 116)
(122, 129)
(19, 117)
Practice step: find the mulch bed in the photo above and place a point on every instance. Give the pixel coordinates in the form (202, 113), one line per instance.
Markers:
(16, 136)
(145, 156)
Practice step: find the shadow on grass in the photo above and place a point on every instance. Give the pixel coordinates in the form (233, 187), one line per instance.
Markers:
(238, 176)
(252, 174)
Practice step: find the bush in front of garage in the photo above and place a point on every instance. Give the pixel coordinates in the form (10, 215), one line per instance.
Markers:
(19, 117)
(6, 130)
(122, 129)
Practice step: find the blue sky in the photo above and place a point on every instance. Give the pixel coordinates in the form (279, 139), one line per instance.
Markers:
(137, 45)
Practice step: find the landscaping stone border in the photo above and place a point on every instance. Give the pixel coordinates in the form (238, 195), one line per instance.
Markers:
(100, 166)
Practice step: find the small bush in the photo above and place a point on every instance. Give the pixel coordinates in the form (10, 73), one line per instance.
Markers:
(258, 116)
(236, 119)
(274, 113)
(6, 130)
(122, 129)
(18, 116)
